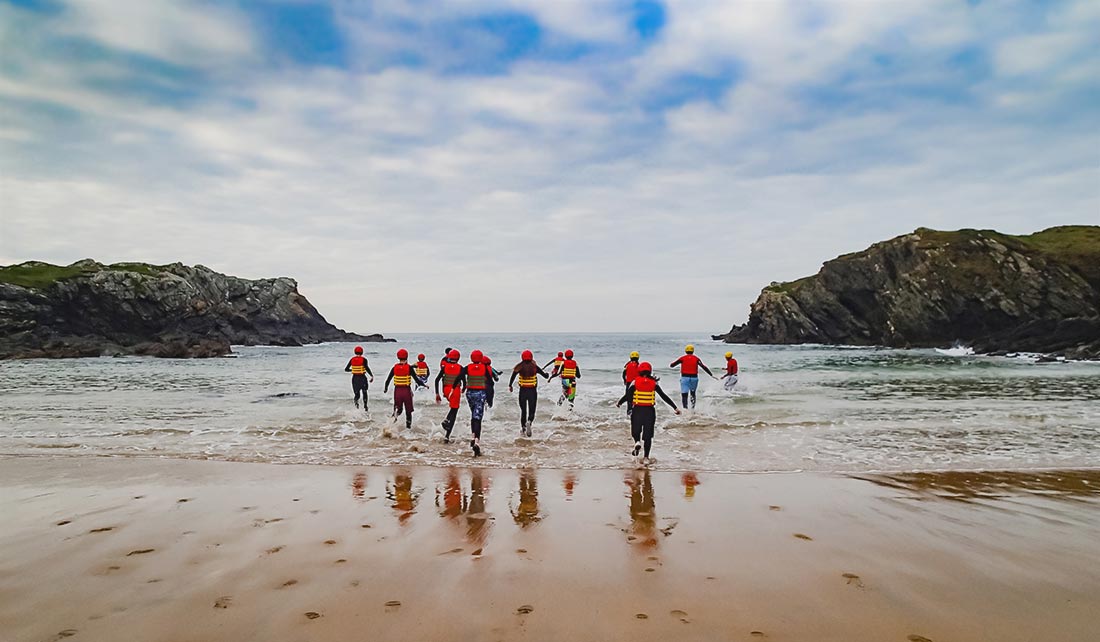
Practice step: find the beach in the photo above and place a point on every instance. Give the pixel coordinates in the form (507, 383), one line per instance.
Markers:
(152, 549)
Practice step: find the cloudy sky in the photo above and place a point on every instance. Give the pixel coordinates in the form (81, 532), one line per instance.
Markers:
(542, 165)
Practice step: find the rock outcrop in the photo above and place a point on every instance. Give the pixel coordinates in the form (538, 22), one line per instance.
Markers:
(992, 291)
(89, 309)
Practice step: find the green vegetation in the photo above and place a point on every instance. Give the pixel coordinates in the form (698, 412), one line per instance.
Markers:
(38, 275)
(789, 286)
(1078, 246)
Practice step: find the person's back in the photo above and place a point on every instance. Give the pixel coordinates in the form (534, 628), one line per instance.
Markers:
(359, 369)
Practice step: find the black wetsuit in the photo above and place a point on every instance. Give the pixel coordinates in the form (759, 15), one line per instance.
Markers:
(644, 418)
(528, 396)
(492, 378)
(359, 382)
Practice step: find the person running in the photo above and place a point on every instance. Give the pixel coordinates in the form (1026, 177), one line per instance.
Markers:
(731, 372)
(476, 376)
(402, 376)
(422, 372)
(450, 373)
(446, 356)
(528, 372)
(557, 361)
(689, 374)
(490, 383)
(359, 369)
(644, 392)
(569, 374)
(630, 373)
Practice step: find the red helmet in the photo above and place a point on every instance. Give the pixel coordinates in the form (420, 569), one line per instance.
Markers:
(527, 355)
(453, 355)
(560, 354)
(645, 367)
(402, 354)
(358, 349)
(475, 356)
(488, 360)
(420, 357)
(568, 354)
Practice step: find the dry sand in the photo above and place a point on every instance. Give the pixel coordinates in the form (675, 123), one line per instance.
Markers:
(117, 549)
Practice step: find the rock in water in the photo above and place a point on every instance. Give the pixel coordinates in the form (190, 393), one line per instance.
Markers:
(90, 309)
(992, 291)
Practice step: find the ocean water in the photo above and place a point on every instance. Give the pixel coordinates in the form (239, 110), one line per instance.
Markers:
(795, 408)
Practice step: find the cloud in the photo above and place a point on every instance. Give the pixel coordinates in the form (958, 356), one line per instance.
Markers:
(512, 165)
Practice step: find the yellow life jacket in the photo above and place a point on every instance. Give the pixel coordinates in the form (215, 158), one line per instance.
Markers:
(645, 391)
(528, 382)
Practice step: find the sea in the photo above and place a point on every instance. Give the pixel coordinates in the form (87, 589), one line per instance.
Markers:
(813, 408)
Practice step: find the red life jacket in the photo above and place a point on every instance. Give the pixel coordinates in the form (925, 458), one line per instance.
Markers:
(645, 391)
(689, 365)
(631, 369)
(450, 373)
(401, 376)
(421, 369)
(476, 374)
(358, 365)
(731, 366)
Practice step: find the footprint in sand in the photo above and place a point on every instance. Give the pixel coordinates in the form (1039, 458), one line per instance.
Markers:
(804, 536)
(140, 551)
(650, 569)
(452, 551)
(711, 577)
(682, 615)
(313, 615)
(273, 550)
(393, 604)
(521, 550)
(853, 579)
(775, 507)
(340, 561)
(525, 609)
(247, 508)
(223, 602)
(102, 530)
(330, 542)
(353, 583)
(641, 616)
(139, 496)
(67, 633)
(65, 521)
(364, 526)
(183, 501)
(653, 558)
(153, 581)
(757, 634)
(477, 552)
(273, 520)
(289, 583)
(917, 638)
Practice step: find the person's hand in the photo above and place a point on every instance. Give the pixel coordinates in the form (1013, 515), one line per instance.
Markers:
(385, 390)
(437, 398)
(677, 411)
(619, 405)
(372, 379)
(713, 377)
(510, 389)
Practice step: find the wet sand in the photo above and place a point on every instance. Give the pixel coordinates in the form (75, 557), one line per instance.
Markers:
(129, 549)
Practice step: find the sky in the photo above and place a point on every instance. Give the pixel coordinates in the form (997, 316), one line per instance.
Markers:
(536, 165)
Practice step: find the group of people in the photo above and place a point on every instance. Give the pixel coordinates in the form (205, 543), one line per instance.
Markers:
(477, 380)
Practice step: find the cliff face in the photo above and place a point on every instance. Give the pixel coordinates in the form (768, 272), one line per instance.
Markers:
(90, 309)
(995, 292)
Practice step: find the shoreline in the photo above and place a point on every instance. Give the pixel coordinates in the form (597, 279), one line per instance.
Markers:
(111, 548)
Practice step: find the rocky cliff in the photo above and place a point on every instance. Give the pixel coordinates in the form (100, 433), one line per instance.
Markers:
(992, 291)
(90, 309)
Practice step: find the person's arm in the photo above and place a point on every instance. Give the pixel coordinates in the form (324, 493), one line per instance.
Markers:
(512, 381)
(386, 386)
(461, 378)
(675, 363)
(705, 368)
(367, 366)
(670, 402)
(438, 377)
(347, 368)
(624, 375)
(734, 367)
(543, 373)
(578, 372)
(628, 395)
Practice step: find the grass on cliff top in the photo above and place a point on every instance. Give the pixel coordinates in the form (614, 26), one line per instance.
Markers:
(1077, 246)
(38, 275)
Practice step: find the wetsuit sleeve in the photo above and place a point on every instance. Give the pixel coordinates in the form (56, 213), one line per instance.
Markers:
(705, 368)
(628, 395)
(543, 373)
(670, 402)
(624, 374)
(675, 363)
(347, 368)
(578, 372)
(367, 366)
(515, 373)
(461, 378)
(437, 379)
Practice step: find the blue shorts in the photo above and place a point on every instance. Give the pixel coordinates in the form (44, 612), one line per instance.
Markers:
(689, 384)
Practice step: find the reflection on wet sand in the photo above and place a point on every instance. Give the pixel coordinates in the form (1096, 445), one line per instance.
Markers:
(569, 483)
(359, 485)
(643, 511)
(402, 497)
(448, 497)
(527, 512)
(478, 523)
(690, 480)
(970, 485)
